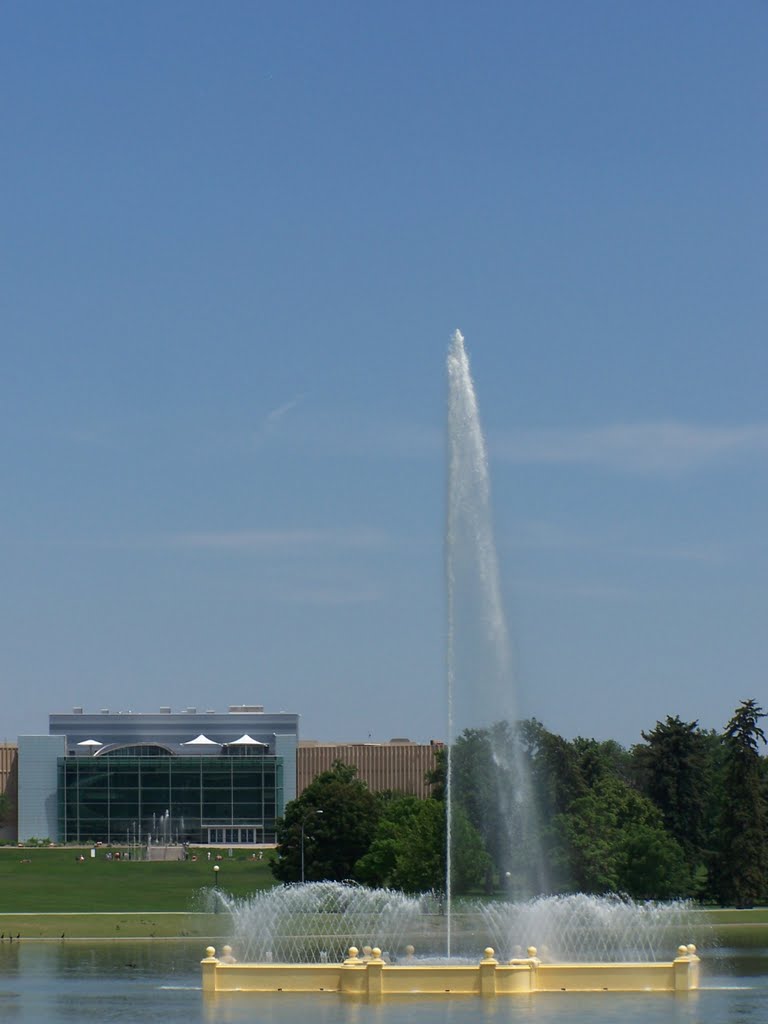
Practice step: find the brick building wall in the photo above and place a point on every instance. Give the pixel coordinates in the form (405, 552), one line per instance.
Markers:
(399, 765)
(9, 786)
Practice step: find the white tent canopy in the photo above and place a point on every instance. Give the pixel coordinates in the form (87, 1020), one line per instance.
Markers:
(247, 741)
(90, 743)
(201, 741)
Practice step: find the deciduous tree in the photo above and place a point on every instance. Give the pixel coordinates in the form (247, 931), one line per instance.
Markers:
(619, 844)
(409, 848)
(338, 815)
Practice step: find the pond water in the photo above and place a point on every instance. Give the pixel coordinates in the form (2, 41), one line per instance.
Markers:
(66, 982)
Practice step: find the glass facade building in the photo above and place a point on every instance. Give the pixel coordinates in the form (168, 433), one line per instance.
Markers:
(159, 777)
(154, 797)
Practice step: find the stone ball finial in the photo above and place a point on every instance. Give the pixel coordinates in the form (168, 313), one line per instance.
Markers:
(532, 951)
(376, 952)
(488, 952)
(210, 951)
(353, 951)
(691, 949)
(682, 951)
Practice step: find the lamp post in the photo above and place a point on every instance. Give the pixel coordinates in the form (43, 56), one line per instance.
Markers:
(303, 826)
(215, 888)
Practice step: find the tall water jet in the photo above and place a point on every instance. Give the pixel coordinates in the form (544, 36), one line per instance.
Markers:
(481, 698)
(607, 943)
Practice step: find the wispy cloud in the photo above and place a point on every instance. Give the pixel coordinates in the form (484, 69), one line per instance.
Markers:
(575, 589)
(328, 597)
(327, 434)
(652, 447)
(273, 421)
(283, 540)
(274, 416)
(660, 447)
(535, 534)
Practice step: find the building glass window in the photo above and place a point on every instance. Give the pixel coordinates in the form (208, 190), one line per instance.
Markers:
(156, 798)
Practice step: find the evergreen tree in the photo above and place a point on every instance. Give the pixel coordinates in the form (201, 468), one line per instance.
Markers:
(675, 769)
(598, 758)
(742, 867)
(555, 768)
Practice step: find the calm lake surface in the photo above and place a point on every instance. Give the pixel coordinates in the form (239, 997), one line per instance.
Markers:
(92, 983)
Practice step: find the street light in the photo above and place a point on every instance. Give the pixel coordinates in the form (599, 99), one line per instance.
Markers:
(303, 826)
(216, 888)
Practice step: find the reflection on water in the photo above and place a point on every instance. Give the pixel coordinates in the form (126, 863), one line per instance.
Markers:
(62, 982)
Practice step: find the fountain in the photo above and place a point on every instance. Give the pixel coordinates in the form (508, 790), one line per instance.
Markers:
(308, 937)
(338, 937)
(315, 922)
(480, 684)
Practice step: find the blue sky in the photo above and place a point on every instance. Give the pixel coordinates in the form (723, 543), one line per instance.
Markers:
(236, 240)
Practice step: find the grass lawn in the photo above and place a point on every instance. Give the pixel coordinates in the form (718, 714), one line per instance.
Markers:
(745, 929)
(730, 916)
(54, 880)
(203, 928)
(47, 892)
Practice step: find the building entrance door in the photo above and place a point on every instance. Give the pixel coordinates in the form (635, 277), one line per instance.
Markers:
(237, 835)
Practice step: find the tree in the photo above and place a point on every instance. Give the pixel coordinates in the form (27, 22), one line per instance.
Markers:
(597, 758)
(742, 865)
(555, 767)
(490, 785)
(6, 808)
(333, 821)
(619, 844)
(471, 864)
(436, 776)
(558, 780)
(676, 768)
(408, 850)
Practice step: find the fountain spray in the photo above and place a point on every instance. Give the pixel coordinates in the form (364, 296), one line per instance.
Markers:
(478, 660)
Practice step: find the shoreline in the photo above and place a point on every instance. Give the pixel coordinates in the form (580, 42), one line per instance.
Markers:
(726, 927)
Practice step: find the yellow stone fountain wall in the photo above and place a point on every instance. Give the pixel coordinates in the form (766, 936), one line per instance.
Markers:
(373, 977)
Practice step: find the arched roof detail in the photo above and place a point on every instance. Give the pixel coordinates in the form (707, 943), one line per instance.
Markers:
(150, 745)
